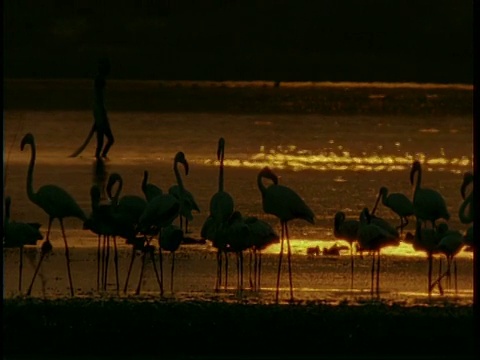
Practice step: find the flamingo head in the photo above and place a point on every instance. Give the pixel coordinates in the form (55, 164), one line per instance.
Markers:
(27, 139)
(266, 172)
(416, 166)
(180, 158)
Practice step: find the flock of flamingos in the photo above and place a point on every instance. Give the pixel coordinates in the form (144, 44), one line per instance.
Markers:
(141, 219)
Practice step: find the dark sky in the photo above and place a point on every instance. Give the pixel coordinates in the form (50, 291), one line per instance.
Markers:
(324, 40)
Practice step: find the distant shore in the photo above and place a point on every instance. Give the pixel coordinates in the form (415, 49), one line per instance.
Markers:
(366, 98)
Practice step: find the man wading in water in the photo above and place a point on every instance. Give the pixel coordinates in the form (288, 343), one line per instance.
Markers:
(101, 125)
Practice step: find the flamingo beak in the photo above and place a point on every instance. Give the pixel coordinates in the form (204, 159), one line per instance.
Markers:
(185, 164)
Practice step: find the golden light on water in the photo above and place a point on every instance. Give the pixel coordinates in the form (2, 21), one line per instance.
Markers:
(297, 159)
(300, 246)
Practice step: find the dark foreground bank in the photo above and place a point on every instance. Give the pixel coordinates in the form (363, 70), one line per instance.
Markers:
(205, 329)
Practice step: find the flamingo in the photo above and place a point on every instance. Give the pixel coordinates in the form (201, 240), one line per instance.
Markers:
(373, 238)
(149, 190)
(426, 240)
(189, 204)
(221, 209)
(428, 204)
(99, 222)
(238, 240)
(18, 234)
(399, 203)
(346, 230)
(56, 202)
(451, 242)
(466, 217)
(170, 239)
(162, 210)
(286, 205)
(126, 212)
(261, 235)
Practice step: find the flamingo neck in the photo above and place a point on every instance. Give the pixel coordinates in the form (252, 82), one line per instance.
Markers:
(464, 216)
(144, 181)
(384, 199)
(262, 187)
(30, 193)
(117, 192)
(418, 180)
(220, 176)
(179, 182)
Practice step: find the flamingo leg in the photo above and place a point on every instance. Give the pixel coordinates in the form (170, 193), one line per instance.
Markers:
(226, 270)
(259, 270)
(241, 270)
(351, 266)
(137, 292)
(160, 260)
(280, 261)
(129, 270)
(289, 254)
(29, 291)
(20, 270)
(67, 256)
(115, 260)
(98, 263)
(157, 275)
(171, 271)
(250, 254)
(218, 281)
(372, 274)
(455, 275)
(107, 259)
(378, 273)
(104, 246)
(429, 274)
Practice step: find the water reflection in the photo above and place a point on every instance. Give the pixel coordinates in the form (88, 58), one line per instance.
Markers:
(290, 157)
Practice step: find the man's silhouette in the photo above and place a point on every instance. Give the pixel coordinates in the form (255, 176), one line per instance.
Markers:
(102, 126)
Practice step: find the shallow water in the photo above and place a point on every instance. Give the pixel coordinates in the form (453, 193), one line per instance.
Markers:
(335, 162)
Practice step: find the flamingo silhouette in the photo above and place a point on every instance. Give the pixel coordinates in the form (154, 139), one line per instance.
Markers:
(221, 209)
(261, 236)
(126, 213)
(450, 244)
(170, 239)
(149, 190)
(56, 202)
(466, 216)
(346, 230)
(428, 204)
(286, 205)
(373, 238)
(161, 211)
(189, 204)
(399, 203)
(426, 240)
(17, 234)
(99, 222)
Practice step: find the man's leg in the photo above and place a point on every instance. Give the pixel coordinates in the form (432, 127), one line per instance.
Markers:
(100, 135)
(110, 141)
